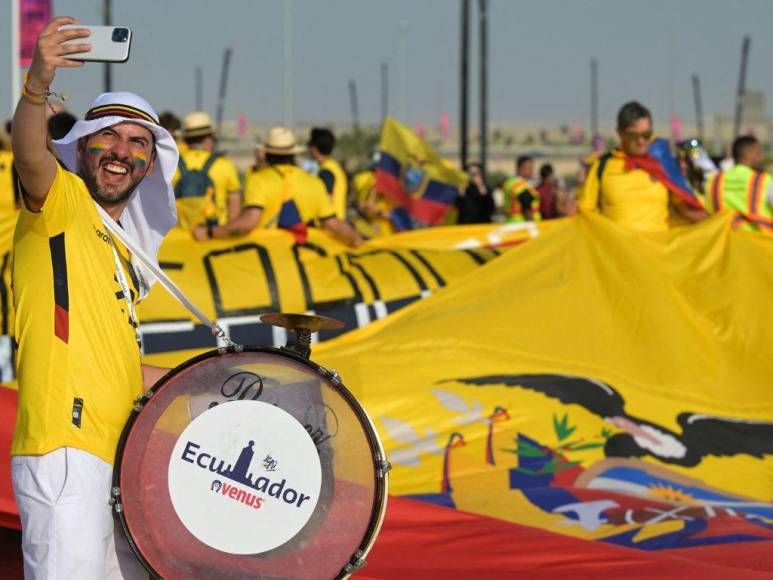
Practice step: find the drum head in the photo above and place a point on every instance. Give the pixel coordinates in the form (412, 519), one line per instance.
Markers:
(255, 463)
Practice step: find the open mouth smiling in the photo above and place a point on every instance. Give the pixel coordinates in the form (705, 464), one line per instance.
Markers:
(115, 168)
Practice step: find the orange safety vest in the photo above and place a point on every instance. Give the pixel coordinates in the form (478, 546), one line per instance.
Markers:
(742, 191)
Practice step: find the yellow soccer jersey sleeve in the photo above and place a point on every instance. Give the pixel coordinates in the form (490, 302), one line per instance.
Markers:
(78, 362)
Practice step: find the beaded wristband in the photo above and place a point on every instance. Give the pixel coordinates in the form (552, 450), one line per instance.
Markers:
(39, 99)
(32, 98)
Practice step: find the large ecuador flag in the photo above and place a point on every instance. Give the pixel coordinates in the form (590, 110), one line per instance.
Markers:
(413, 176)
(595, 402)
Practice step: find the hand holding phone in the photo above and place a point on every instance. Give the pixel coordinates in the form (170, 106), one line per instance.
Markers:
(108, 43)
(50, 53)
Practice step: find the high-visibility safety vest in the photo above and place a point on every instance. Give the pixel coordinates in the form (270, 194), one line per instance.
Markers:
(513, 187)
(742, 190)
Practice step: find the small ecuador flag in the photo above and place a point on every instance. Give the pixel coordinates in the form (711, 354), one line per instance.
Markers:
(414, 177)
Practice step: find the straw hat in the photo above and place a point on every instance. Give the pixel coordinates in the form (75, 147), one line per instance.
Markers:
(281, 141)
(197, 124)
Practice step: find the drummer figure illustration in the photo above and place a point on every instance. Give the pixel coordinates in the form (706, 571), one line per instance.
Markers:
(242, 467)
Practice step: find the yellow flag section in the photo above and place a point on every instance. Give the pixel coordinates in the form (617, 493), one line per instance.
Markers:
(235, 281)
(594, 382)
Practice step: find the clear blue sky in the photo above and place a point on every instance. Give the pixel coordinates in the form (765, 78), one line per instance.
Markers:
(539, 55)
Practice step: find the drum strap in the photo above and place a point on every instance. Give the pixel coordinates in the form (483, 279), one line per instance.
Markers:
(120, 275)
(166, 282)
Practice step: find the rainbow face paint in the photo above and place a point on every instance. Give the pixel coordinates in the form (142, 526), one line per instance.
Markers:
(96, 147)
(139, 160)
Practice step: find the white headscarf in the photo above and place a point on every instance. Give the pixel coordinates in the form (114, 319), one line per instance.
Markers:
(151, 211)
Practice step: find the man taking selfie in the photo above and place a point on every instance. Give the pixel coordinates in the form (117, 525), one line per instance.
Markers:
(75, 288)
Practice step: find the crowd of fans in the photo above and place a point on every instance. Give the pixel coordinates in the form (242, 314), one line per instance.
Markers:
(627, 184)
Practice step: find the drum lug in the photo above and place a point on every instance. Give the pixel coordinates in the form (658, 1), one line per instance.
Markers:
(140, 401)
(231, 348)
(356, 563)
(383, 467)
(114, 501)
(334, 376)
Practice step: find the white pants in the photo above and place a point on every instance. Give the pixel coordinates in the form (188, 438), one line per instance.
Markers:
(67, 527)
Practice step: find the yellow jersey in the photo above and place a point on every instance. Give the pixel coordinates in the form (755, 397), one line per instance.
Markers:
(334, 178)
(268, 188)
(78, 361)
(372, 220)
(7, 190)
(213, 207)
(629, 198)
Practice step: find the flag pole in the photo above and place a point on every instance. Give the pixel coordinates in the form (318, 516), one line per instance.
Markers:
(108, 21)
(223, 87)
(696, 89)
(483, 39)
(741, 86)
(463, 79)
(287, 70)
(15, 81)
(594, 98)
(355, 106)
(384, 91)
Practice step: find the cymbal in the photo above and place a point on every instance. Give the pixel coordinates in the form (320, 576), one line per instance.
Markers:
(301, 321)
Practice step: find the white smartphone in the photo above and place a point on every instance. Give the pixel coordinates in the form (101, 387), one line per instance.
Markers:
(108, 43)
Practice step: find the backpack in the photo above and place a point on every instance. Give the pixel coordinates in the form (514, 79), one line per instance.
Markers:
(195, 182)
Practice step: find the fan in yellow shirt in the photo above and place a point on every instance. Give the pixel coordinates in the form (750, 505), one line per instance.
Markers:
(268, 190)
(207, 184)
(78, 359)
(631, 197)
(321, 144)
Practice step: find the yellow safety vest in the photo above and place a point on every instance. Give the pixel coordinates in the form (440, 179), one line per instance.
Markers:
(513, 188)
(742, 190)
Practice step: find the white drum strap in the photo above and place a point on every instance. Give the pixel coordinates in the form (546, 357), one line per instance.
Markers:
(166, 282)
(120, 275)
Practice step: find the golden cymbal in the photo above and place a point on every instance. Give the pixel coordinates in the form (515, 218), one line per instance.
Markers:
(301, 321)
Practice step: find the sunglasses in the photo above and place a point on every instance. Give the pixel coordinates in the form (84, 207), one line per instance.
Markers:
(634, 136)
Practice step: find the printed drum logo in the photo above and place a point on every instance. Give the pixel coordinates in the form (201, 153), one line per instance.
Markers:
(244, 477)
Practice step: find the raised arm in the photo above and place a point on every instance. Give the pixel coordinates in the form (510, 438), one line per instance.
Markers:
(243, 224)
(344, 231)
(35, 164)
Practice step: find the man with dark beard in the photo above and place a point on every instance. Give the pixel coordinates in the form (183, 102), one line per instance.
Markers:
(75, 289)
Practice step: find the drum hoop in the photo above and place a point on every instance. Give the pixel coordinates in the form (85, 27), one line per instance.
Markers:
(382, 467)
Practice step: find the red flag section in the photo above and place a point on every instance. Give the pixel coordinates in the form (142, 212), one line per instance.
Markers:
(9, 515)
(425, 541)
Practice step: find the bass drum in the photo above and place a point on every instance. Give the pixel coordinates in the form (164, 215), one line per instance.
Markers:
(250, 462)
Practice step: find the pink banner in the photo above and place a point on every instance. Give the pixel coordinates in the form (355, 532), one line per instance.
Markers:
(445, 126)
(34, 15)
(676, 128)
